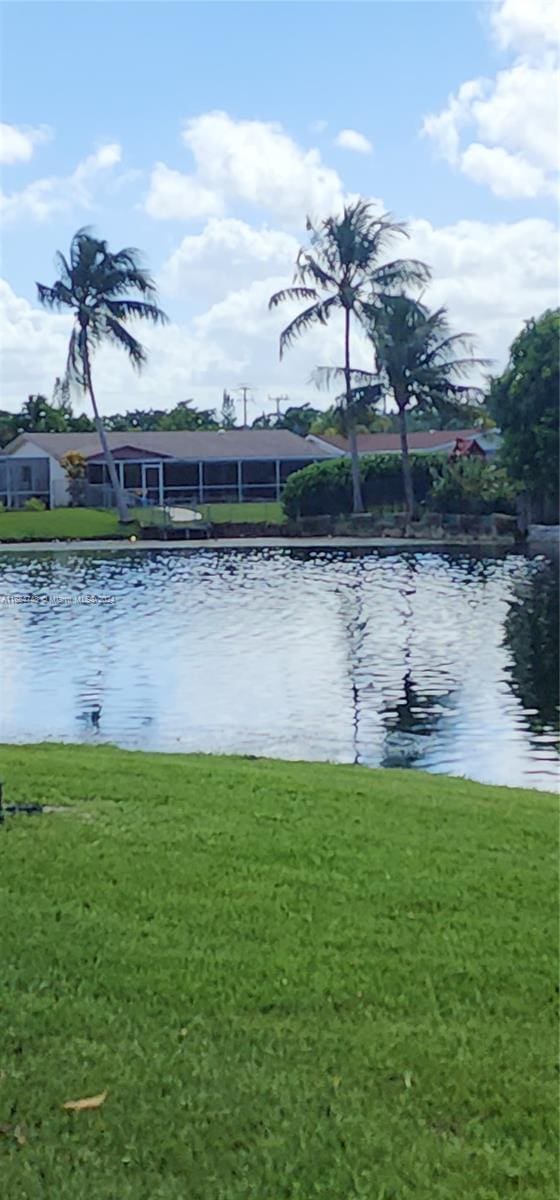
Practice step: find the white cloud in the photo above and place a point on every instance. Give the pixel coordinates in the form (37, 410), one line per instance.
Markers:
(525, 25)
(259, 163)
(252, 162)
(492, 277)
(227, 255)
(513, 118)
(18, 142)
(180, 197)
(350, 139)
(44, 197)
(504, 173)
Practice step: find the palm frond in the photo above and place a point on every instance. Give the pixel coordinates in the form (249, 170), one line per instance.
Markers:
(316, 314)
(64, 269)
(309, 269)
(323, 377)
(121, 337)
(76, 358)
(138, 310)
(292, 293)
(402, 272)
(56, 298)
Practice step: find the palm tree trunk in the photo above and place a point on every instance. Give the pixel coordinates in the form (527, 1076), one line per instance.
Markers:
(120, 498)
(358, 503)
(406, 468)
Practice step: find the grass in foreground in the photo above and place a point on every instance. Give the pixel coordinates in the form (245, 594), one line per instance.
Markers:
(295, 981)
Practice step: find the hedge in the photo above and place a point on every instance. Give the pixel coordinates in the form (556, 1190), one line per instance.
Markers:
(326, 487)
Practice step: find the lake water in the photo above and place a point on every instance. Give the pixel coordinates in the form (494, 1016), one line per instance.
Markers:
(442, 661)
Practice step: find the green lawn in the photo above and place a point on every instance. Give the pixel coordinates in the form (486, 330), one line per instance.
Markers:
(257, 512)
(65, 523)
(59, 523)
(294, 981)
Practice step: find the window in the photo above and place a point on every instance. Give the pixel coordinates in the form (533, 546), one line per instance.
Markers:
(96, 473)
(132, 475)
(220, 474)
(180, 475)
(296, 464)
(255, 472)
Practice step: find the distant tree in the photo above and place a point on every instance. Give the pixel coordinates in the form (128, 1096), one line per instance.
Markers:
(185, 416)
(298, 418)
(94, 286)
(265, 421)
(142, 419)
(417, 363)
(61, 397)
(524, 403)
(9, 427)
(332, 421)
(341, 272)
(469, 416)
(228, 414)
(38, 416)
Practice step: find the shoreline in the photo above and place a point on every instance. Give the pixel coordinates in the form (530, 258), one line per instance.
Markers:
(253, 543)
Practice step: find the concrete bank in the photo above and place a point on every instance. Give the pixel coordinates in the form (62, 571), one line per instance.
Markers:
(301, 543)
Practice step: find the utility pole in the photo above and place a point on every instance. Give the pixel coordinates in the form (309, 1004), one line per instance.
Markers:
(277, 401)
(244, 388)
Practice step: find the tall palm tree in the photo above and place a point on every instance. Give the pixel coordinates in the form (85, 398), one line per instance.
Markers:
(341, 272)
(417, 361)
(94, 285)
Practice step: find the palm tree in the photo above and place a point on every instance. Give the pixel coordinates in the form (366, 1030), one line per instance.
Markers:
(341, 271)
(416, 356)
(94, 286)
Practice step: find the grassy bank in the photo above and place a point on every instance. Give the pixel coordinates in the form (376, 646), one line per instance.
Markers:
(60, 523)
(252, 514)
(83, 523)
(294, 981)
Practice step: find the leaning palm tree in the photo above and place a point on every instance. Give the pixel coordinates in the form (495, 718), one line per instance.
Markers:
(341, 272)
(417, 363)
(94, 285)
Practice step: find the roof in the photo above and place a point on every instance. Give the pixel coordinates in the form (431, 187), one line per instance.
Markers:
(387, 443)
(179, 444)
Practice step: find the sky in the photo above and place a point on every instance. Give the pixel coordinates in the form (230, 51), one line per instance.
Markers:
(204, 133)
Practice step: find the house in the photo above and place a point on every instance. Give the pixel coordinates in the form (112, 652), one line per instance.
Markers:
(168, 468)
(443, 441)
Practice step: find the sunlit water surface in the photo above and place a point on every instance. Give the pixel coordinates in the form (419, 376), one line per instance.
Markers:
(442, 661)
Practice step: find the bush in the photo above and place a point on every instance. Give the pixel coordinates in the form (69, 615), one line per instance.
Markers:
(34, 505)
(326, 487)
(75, 466)
(472, 486)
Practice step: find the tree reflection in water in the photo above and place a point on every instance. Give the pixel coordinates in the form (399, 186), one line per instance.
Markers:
(411, 721)
(531, 636)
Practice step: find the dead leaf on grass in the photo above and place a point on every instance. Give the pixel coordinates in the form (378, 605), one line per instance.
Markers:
(87, 1103)
(13, 1131)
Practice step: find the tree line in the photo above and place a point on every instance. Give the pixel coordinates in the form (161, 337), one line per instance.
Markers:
(421, 373)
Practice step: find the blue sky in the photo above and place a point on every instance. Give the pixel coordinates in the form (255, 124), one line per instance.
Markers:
(77, 77)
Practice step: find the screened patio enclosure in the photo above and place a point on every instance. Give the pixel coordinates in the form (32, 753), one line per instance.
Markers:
(23, 479)
(176, 481)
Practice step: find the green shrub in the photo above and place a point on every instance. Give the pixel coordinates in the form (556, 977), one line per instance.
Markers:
(326, 487)
(470, 485)
(34, 505)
